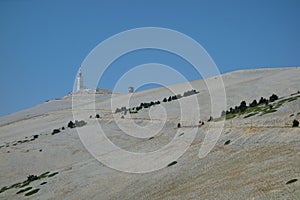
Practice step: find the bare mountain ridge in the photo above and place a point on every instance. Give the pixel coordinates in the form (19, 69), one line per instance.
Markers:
(254, 158)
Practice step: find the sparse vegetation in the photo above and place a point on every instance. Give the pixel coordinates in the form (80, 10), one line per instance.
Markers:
(251, 114)
(135, 110)
(190, 92)
(254, 108)
(30, 178)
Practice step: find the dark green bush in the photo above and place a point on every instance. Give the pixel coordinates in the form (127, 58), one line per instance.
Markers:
(172, 163)
(71, 124)
(55, 131)
(254, 103)
(24, 190)
(291, 181)
(32, 192)
(80, 123)
(274, 97)
(295, 123)
(227, 142)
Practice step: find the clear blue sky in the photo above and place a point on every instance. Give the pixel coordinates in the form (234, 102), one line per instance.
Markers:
(43, 42)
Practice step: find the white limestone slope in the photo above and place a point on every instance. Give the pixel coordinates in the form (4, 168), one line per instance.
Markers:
(262, 156)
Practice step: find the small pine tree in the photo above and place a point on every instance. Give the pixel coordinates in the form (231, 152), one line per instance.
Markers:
(178, 125)
(274, 97)
(222, 114)
(243, 106)
(254, 103)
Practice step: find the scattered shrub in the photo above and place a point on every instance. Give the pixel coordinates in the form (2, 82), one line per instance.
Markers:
(44, 175)
(189, 93)
(71, 124)
(80, 123)
(295, 123)
(55, 131)
(274, 97)
(53, 174)
(254, 103)
(227, 142)
(178, 125)
(97, 116)
(178, 96)
(32, 178)
(172, 163)
(32, 192)
(291, 181)
(24, 190)
(223, 113)
(3, 189)
(243, 106)
(43, 183)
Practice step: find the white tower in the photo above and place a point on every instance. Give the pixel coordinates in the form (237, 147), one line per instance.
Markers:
(79, 81)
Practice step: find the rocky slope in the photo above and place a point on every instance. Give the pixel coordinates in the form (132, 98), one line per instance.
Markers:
(257, 154)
